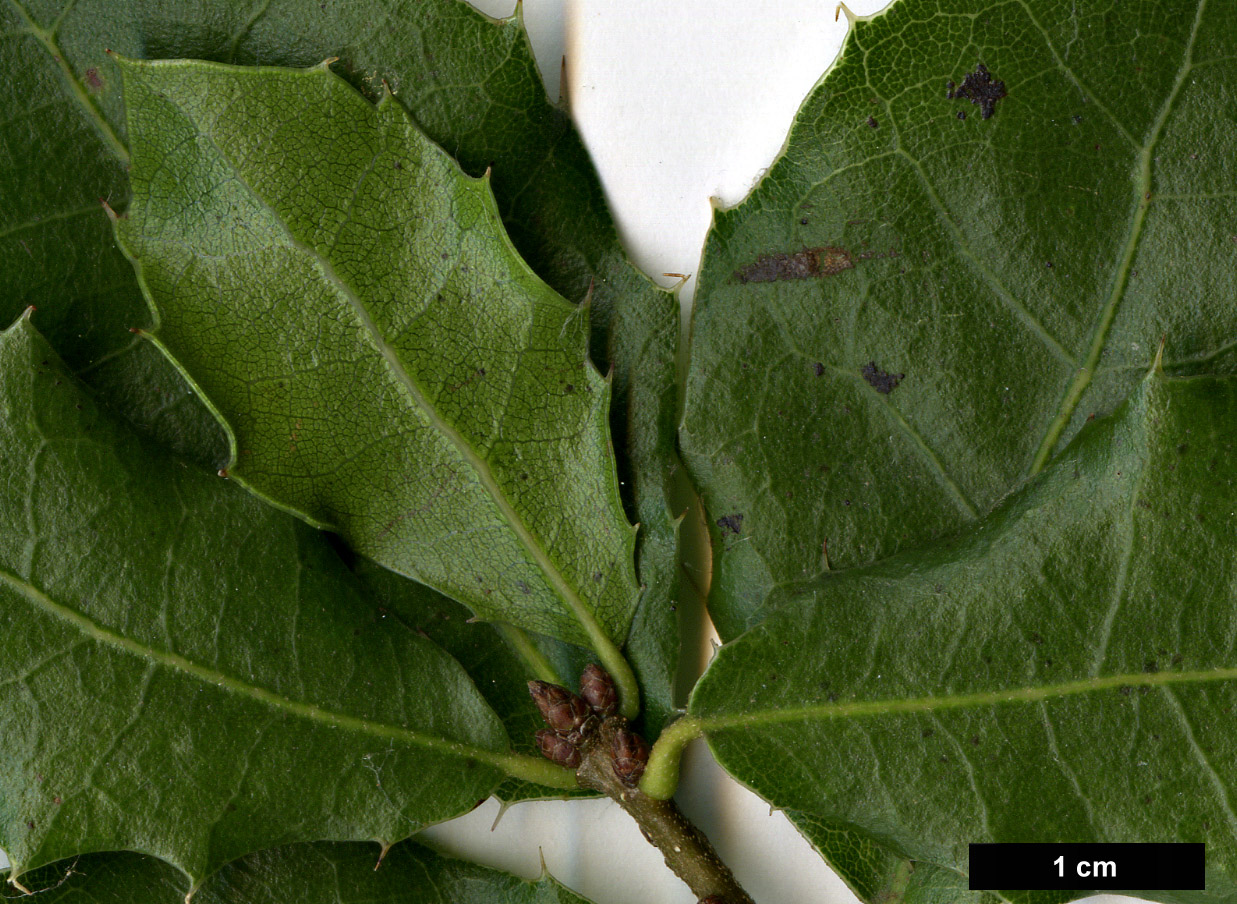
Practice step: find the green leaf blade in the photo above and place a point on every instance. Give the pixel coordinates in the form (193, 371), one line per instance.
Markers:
(967, 691)
(309, 873)
(159, 623)
(918, 305)
(471, 82)
(417, 387)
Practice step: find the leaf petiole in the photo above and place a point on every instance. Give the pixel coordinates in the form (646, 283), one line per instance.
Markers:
(534, 769)
(661, 775)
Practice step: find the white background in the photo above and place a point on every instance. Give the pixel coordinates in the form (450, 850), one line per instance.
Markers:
(679, 101)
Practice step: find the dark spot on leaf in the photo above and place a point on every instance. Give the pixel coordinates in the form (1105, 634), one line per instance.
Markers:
(30, 825)
(928, 732)
(1125, 690)
(873, 123)
(1036, 637)
(732, 523)
(1077, 118)
(974, 740)
(597, 576)
(1183, 448)
(880, 380)
(1176, 660)
(524, 588)
(810, 263)
(1150, 665)
(981, 89)
(818, 369)
(91, 77)
(399, 165)
(569, 388)
(803, 221)
(961, 114)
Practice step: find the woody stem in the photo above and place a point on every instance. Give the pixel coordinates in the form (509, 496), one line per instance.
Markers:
(685, 847)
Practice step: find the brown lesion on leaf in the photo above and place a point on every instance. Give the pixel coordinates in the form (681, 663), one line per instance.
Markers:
(881, 380)
(810, 263)
(732, 523)
(981, 89)
(92, 79)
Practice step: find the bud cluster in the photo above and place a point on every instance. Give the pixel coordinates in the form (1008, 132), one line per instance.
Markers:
(572, 718)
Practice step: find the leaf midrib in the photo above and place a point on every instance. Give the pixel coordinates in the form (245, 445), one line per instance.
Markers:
(480, 467)
(175, 662)
(979, 699)
(1099, 337)
(47, 39)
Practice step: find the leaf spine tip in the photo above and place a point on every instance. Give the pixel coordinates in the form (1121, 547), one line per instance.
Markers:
(1157, 365)
(382, 855)
(502, 811)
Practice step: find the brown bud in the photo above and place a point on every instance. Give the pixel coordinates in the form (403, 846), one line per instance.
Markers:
(597, 689)
(630, 754)
(557, 749)
(562, 710)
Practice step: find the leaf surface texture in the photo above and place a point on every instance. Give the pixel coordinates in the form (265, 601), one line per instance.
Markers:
(306, 873)
(917, 306)
(1063, 670)
(469, 80)
(187, 672)
(385, 364)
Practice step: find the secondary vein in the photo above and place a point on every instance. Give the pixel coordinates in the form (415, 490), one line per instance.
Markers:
(1099, 337)
(863, 708)
(48, 40)
(600, 641)
(512, 764)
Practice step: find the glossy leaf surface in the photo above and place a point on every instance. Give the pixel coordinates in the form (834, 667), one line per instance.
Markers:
(1063, 670)
(383, 361)
(985, 219)
(156, 622)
